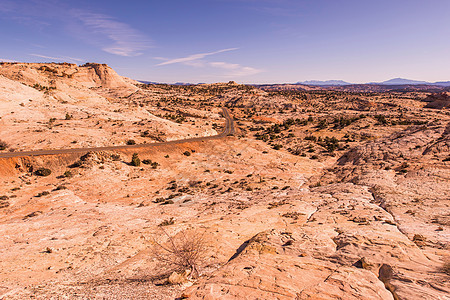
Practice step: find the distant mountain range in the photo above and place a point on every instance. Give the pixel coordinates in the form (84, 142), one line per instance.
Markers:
(325, 83)
(395, 81)
(400, 81)
(338, 83)
(177, 83)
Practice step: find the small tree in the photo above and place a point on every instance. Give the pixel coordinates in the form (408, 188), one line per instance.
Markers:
(135, 161)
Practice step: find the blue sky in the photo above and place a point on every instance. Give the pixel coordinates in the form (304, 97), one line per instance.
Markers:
(249, 41)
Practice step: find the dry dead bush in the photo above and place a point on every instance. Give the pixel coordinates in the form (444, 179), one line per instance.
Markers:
(184, 251)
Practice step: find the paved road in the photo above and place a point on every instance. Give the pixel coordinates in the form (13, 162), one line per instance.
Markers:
(228, 130)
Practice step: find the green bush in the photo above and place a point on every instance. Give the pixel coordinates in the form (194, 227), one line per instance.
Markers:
(322, 124)
(277, 146)
(44, 193)
(330, 144)
(135, 161)
(43, 172)
(3, 145)
(381, 119)
(153, 164)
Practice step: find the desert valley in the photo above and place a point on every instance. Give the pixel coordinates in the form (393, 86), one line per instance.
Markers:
(220, 191)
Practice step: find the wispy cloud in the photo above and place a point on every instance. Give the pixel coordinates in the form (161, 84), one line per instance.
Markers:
(193, 57)
(198, 61)
(235, 70)
(7, 60)
(100, 30)
(6, 6)
(64, 58)
(124, 40)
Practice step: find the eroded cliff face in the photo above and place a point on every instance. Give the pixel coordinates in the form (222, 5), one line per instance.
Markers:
(51, 106)
(53, 75)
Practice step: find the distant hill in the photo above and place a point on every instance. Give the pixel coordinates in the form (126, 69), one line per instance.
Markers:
(394, 81)
(403, 81)
(325, 83)
(442, 83)
(148, 82)
(398, 82)
(177, 83)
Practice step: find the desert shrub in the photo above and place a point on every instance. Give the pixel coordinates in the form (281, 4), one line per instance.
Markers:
(153, 164)
(4, 201)
(274, 129)
(294, 215)
(446, 268)
(264, 137)
(159, 200)
(68, 117)
(46, 89)
(146, 161)
(187, 153)
(330, 144)
(135, 161)
(310, 138)
(342, 122)
(68, 174)
(131, 142)
(184, 251)
(277, 146)
(45, 193)
(3, 145)
(381, 119)
(145, 133)
(48, 69)
(43, 172)
(322, 124)
(76, 164)
(277, 203)
(167, 222)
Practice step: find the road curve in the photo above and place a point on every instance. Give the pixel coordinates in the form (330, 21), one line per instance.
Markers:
(228, 130)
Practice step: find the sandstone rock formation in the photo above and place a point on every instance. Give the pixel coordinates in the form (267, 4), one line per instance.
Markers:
(316, 196)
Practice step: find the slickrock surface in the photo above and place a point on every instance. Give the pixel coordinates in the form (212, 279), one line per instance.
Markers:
(316, 197)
